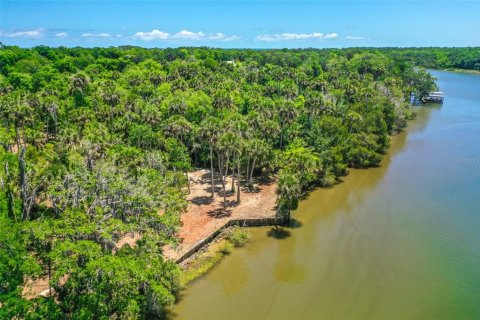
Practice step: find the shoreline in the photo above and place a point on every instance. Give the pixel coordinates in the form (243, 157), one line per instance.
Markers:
(467, 71)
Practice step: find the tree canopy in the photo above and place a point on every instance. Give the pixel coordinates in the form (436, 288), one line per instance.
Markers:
(97, 144)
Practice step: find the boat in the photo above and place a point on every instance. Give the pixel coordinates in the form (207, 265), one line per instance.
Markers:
(435, 96)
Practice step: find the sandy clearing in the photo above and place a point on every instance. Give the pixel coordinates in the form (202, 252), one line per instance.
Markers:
(205, 215)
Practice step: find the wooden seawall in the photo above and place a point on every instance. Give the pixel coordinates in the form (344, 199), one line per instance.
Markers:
(258, 222)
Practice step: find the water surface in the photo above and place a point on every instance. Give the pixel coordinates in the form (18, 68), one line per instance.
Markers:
(401, 241)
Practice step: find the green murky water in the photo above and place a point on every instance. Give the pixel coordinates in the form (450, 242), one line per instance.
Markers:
(401, 241)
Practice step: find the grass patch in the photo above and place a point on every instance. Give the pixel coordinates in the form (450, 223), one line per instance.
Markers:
(199, 265)
(204, 261)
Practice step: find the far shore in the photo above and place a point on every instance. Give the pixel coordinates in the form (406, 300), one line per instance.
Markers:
(469, 71)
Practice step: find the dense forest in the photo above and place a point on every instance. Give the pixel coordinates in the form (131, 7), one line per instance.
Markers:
(97, 143)
(440, 58)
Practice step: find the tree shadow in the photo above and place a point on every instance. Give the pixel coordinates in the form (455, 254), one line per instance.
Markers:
(294, 224)
(202, 200)
(206, 177)
(219, 191)
(167, 313)
(219, 213)
(232, 203)
(209, 189)
(279, 233)
(250, 188)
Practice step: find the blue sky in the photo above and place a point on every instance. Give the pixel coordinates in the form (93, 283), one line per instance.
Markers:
(240, 24)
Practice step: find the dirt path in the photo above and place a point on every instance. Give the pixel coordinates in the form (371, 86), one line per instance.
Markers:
(205, 215)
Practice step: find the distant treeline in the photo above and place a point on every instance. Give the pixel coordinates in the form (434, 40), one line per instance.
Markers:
(440, 58)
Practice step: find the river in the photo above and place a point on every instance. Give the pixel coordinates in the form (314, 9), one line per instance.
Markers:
(401, 241)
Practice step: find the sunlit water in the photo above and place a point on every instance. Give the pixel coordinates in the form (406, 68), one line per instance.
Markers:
(401, 241)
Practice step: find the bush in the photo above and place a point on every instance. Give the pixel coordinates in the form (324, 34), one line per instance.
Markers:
(239, 237)
(226, 248)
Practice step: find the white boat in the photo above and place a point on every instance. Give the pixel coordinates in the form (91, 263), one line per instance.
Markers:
(435, 96)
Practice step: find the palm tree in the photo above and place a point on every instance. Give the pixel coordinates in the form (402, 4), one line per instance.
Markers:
(51, 107)
(352, 119)
(256, 149)
(78, 83)
(223, 100)
(288, 191)
(177, 106)
(209, 130)
(179, 127)
(287, 111)
(225, 149)
(314, 102)
(111, 97)
(242, 131)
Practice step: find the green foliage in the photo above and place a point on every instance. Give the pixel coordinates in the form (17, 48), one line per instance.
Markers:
(238, 236)
(226, 248)
(133, 285)
(96, 145)
(15, 260)
(440, 58)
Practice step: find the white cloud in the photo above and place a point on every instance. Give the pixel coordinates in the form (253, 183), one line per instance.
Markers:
(331, 36)
(290, 36)
(152, 35)
(183, 35)
(189, 35)
(222, 37)
(32, 34)
(96, 35)
(295, 36)
(354, 38)
(61, 35)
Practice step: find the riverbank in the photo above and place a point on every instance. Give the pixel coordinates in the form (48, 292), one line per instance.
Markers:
(477, 72)
(212, 253)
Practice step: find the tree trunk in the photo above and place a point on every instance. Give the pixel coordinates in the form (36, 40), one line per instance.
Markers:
(8, 193)
(222, 178)
(211, 171)
(23, 185)
(226, 163)
(188, 182)
(238, 181)
(251, 172)
(17, 138)
(27, 197)
(232, 189)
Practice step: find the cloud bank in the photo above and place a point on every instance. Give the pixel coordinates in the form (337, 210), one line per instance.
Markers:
(354, 38)
(96, 35)
(28, 34)
(152, 35)
(295, 36)
(183, 35)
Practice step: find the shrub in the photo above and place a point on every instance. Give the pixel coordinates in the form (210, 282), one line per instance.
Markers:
(239, 236)
(226, 248)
